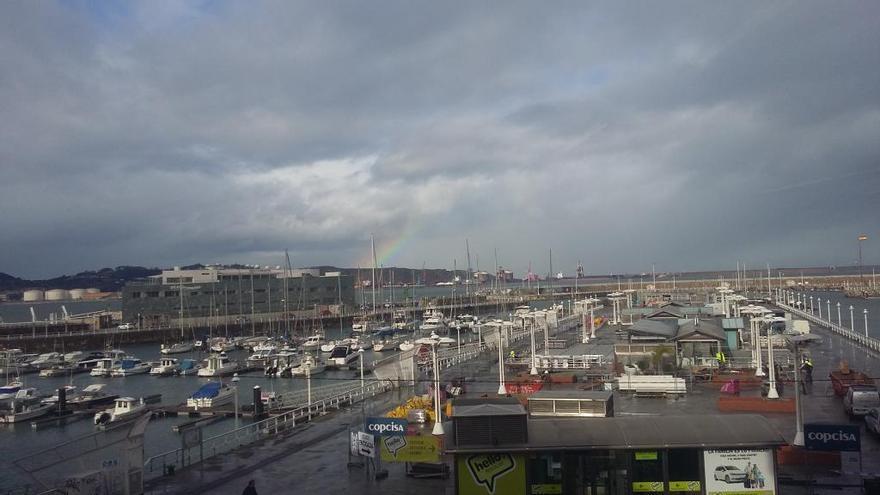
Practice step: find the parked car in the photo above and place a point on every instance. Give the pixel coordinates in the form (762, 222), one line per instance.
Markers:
(126, 326)
(860, 399)
(730, 474)
(872, 420)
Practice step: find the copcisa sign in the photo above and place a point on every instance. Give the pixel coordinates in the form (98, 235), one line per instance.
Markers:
(841, 438)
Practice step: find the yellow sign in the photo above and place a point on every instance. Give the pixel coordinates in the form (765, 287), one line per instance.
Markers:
(650, 455)
(684, 486)
(547, 489)
(422, 448)
(490, 474)
(744, 492)
(647, 486)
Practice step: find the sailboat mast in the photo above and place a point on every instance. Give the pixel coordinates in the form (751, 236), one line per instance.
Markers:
(373, 249)
(467, 286)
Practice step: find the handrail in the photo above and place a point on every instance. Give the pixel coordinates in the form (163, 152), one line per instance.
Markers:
(869, 342)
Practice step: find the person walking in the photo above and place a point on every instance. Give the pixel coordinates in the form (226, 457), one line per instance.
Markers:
(250, 489)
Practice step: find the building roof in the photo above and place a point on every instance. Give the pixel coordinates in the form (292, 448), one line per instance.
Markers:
(694, 329)
(487, 409)
(668, 312)
(572, 394)
(732, 323)
(640, 432)
(657, 328)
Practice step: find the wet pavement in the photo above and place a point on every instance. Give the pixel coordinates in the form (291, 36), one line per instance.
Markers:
(314, 459)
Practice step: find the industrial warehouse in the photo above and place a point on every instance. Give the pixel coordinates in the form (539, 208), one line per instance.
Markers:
(221, 292)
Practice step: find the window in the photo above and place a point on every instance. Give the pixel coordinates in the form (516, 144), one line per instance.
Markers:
(684, 471)
(135, 295)
(172, 293)
(153, 294)
(647, 472)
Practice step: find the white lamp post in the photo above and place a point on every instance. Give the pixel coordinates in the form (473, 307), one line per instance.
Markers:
(772, 393)
(458, 334)
(865, 311)
(235, 380)
(852, 321)
(811, 304)
(361, 358)
(838, 316)
(828, 308)
(819, 301)
(592, 323)
(502, 390)
(534, 370)
(759, 371)
(438, 420)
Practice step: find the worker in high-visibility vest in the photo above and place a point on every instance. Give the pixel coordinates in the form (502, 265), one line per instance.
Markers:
(721, 358)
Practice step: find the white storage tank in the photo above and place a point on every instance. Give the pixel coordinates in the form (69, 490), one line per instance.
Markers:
(92, 290)
(57, 295)
(77, 294)
(33, 295)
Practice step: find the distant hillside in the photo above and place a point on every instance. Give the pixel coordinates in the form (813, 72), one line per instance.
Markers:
(105, 279)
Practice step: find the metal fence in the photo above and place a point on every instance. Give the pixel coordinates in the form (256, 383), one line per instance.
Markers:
(323, 399)
(864, 340)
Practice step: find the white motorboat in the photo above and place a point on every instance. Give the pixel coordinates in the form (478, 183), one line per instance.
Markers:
(178, 348)
(435, 339)
(406, 346)
(105, 365)
(70, 393)
(313, 342)
(72, 357)
(310, 365)
(166, 367)
(124, 409)
(130, 366)
(9, 390)
(259, 359)
(24, 406)
(433, 321)
(47, 360)
(282, 365)
(342, 356)
(329, 346)
(218, 365)
(59, 370)
(92, 395)
(386, 345)
(212, 394)
(199, 344)
(268, 345)
(188, 367)
(222, 345)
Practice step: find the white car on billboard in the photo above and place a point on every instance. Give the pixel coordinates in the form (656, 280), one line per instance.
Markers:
(730, 474)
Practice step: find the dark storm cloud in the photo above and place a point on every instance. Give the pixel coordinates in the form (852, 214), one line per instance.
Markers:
(690, 135)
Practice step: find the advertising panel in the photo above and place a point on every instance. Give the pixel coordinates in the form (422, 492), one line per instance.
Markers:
(490, 474)
(423, 448)
(739, 472)
(386, 426)
(366, 444)
(842, 438)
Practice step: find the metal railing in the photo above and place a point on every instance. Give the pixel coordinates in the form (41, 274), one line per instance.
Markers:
(331, 397)
(864, 340)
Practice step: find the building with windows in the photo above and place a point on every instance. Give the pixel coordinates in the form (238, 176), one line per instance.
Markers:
(220, 292)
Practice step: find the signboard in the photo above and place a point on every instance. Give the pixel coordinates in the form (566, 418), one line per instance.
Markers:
(366, 444)
(739, 472)
(423, 448)
(547, 489)
(386, 426)
(353, 442)
(843, 438)
(490, 474)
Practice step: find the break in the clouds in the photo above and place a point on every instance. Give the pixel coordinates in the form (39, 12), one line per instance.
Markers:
(686, 134)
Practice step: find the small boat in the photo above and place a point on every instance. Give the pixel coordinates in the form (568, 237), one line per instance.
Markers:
(329, 346)
(310, 365)
(92, 395)
(199, 345)
(24, 406)
(105, 365)
(218, 365)
(401, 321)
(124, 409)
(386, 345)
(47, 360)
(222, 345)
(60, 370)
(406, 346)
(267, 345)
(188, 367)
(166, 367)
(313, 342)
(212, 394)
(178, 348)
(362, 325)
(260, 359)
(130, 366)
(282, 365)
(9, 390)
(437, 340)
(70, 393)
(433, 321)
(342, 356)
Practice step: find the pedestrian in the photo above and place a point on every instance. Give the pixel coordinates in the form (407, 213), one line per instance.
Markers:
(250, 489)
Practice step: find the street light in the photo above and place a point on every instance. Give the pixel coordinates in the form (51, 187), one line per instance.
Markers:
(862, 237)
(797, 340)
(865, 311)
(852, 322)
(502, 390)
(438, 422)
(828, 306)
(838, 316)
(819, 303)
(534, 370)
(811, 304)
(235, 380)
(361, 358)
(772, 393)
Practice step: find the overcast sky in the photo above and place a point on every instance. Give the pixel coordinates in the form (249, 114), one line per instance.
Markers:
(686, 134)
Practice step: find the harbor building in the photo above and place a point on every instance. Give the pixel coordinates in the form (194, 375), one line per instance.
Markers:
(233, 292)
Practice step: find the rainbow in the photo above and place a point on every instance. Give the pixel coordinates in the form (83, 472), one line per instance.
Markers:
(388, 249)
